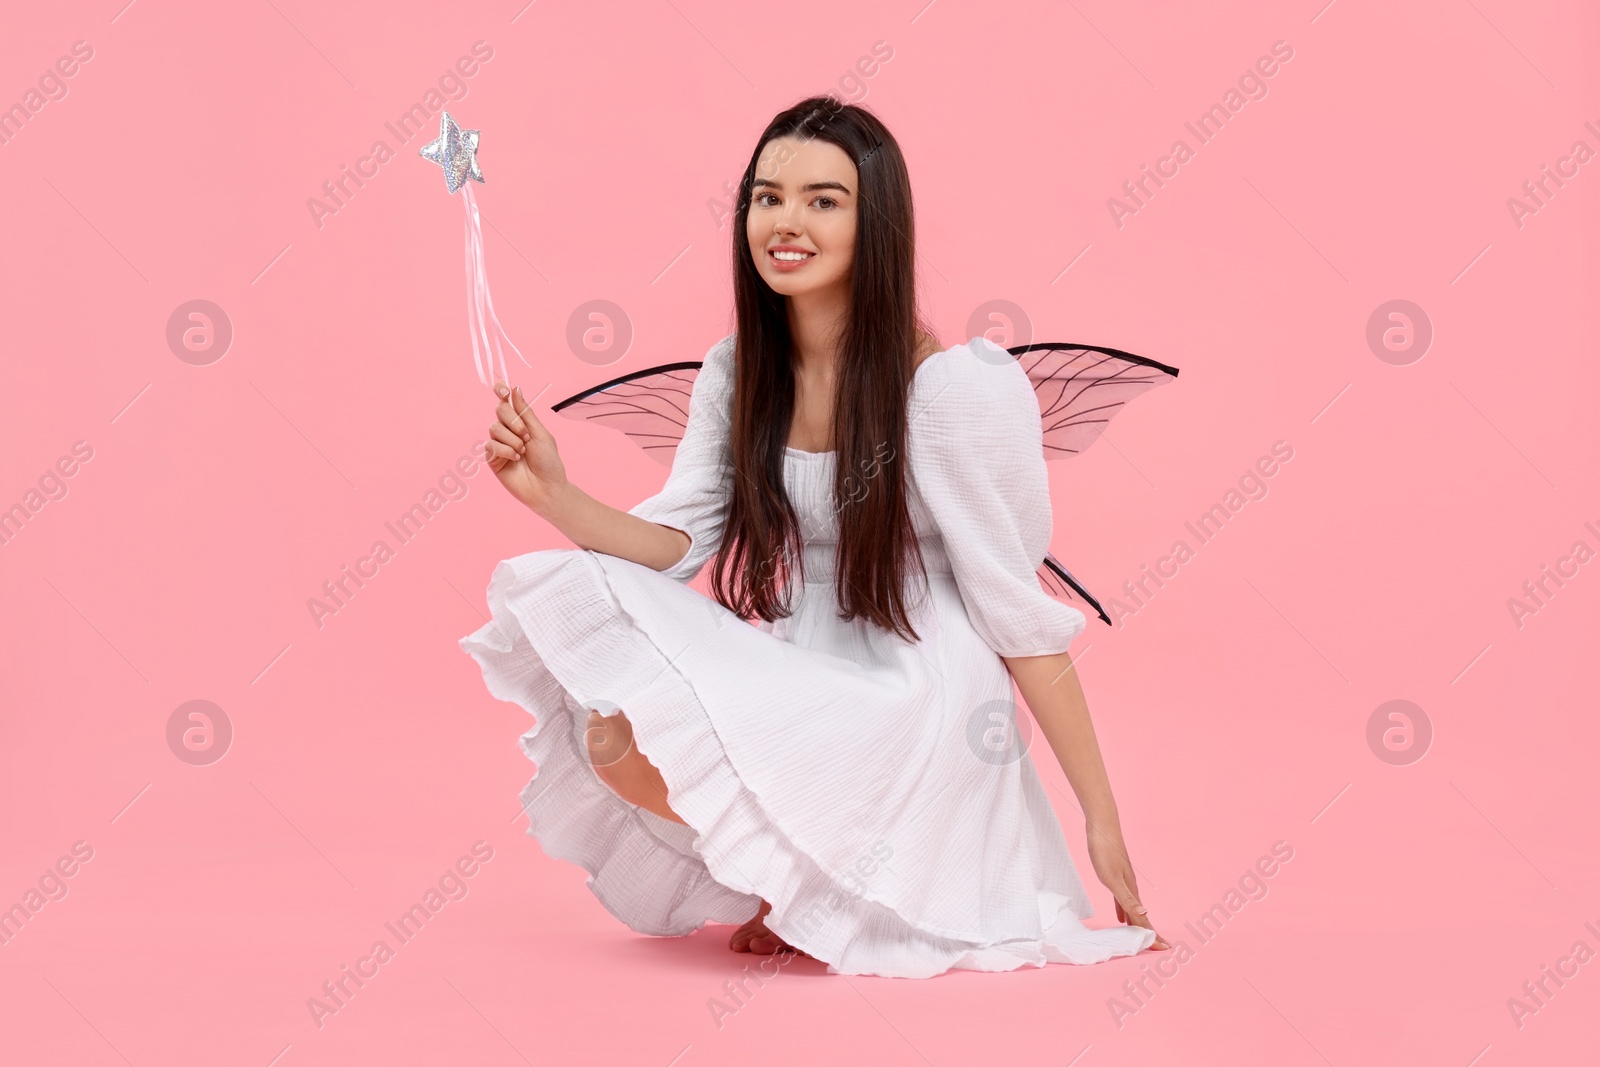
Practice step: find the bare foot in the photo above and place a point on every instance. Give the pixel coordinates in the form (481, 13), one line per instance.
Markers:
(754, 936)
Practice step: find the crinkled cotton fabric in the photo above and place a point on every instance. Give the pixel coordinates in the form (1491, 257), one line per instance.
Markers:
(871, 788)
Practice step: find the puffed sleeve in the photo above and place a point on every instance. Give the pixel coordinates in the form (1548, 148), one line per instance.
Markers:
(695, 495)
(977, 461)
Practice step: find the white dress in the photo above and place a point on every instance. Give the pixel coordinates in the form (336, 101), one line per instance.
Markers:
(872, 789)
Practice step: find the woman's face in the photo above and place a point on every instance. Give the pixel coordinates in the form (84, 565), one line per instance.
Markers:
(803, 198)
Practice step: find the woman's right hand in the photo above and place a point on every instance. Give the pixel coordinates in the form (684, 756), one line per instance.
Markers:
(522, 453)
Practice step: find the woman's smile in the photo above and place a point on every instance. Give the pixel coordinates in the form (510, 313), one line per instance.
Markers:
(789, 257)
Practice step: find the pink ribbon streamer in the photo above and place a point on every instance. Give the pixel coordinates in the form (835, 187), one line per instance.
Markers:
(482, 322)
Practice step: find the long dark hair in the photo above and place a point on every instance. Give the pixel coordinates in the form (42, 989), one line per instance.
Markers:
(878, 342)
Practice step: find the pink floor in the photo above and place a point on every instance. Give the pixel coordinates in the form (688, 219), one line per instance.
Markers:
(185, 501)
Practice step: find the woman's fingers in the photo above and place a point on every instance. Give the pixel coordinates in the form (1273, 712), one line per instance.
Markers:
(516, 413)
(1126, 894)
(1133, 912)
(500, 433)
(510, 419)
(1131, 903)
(530, 422)
(506, 413)
(1128, 907)
(498, 451)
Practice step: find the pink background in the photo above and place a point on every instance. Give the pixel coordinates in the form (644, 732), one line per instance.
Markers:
(1232, 706)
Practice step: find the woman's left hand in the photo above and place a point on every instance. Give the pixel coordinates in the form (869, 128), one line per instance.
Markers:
(1115, 870)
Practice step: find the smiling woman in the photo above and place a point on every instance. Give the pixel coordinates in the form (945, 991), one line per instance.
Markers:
(876, 504)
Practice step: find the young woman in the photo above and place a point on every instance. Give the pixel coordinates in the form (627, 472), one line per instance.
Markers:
(825, 752)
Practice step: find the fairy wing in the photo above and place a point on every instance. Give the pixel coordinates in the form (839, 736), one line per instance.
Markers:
(1061, 585)
(1080, 389)
(651, 406)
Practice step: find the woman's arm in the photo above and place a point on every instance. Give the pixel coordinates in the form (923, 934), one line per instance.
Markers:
(590, 524)
(676, 530)
(523, 454)
(1050, 686)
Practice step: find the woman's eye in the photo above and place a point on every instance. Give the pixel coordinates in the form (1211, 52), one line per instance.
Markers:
(828, 203)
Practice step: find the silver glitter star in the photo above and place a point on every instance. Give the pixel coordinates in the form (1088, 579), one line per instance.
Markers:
(456, 150)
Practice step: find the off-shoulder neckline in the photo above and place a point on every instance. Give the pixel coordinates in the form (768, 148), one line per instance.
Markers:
(914, 375)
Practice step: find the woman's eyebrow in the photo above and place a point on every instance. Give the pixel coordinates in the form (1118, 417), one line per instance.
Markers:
(804, 188)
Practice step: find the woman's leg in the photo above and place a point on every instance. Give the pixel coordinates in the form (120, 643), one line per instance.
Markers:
(623, 767)
(635, 779)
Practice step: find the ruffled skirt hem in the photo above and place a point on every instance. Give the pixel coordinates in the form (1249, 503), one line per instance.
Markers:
(558, 644)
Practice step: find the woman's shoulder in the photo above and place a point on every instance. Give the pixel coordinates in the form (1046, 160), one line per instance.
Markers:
(975, 371)
(974, 387)
(718, 365)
